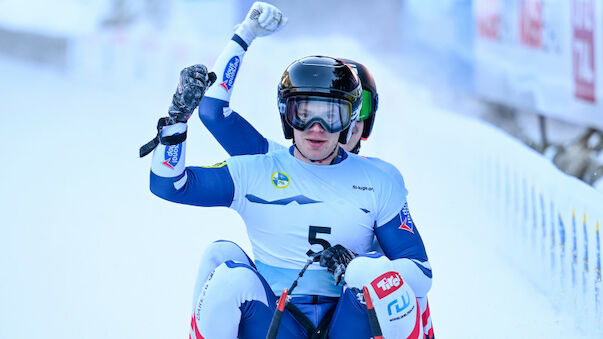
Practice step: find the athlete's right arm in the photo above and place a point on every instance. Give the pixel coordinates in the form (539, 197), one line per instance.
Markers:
(200, 186)
(231, 130)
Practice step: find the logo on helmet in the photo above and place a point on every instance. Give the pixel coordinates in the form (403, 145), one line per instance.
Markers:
(230, 73)
(280, 180)
(282, 107)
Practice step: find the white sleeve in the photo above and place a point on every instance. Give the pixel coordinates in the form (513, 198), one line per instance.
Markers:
(226, 69)
(169, 161)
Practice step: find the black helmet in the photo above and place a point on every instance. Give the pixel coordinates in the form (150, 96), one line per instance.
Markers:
(321, 79)
(370, 99)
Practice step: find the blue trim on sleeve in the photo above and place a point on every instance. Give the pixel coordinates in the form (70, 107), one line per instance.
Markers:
(425, 270)
(233, 132)
(240, 41)
(400, 243)
(205, 186)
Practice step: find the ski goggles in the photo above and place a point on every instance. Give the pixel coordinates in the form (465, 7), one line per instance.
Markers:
(367, 105)
(334, 115)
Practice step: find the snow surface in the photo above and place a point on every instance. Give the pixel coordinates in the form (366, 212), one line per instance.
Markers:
(86, 251)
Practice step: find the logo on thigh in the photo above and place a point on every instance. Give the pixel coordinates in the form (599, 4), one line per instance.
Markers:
(202, 296)
(387, 284)
(399, 305)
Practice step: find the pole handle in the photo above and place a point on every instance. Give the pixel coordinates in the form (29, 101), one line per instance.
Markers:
(278, 315)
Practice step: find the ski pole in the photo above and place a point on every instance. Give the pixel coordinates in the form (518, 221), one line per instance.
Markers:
(278, 315)
(372, 315)
(280, 309)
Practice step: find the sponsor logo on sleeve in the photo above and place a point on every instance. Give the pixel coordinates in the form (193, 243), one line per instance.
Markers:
(387, 284)
(280, 179)
(172, 155)
(407, 223)
(230, 73)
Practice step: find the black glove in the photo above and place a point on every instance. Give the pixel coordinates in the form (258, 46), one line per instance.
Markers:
(336, 259)
(194, 80)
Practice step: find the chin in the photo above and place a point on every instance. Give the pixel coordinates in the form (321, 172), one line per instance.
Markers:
(316, 153)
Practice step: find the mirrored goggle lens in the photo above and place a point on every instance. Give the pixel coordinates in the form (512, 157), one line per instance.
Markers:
(332, 114)
(367, 105)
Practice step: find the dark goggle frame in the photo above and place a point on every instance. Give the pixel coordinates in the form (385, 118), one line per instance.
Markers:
(335, 115)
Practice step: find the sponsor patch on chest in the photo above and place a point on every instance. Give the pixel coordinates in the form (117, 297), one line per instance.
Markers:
(280, 179)
(363, 188)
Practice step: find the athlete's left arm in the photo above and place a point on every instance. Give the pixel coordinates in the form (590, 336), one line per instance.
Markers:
(401, 242)
(397, 233)
(231, 130)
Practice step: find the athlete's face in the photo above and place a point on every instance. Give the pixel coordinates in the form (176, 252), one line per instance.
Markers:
(355, 137)
(315, 143)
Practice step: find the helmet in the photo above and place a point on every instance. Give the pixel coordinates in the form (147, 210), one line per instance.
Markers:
(370, 99)
(324, 82)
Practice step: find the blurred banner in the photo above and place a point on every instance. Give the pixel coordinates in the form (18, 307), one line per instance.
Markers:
(542, 55)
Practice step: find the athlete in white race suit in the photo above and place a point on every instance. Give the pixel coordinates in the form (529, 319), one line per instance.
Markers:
(300, 200)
